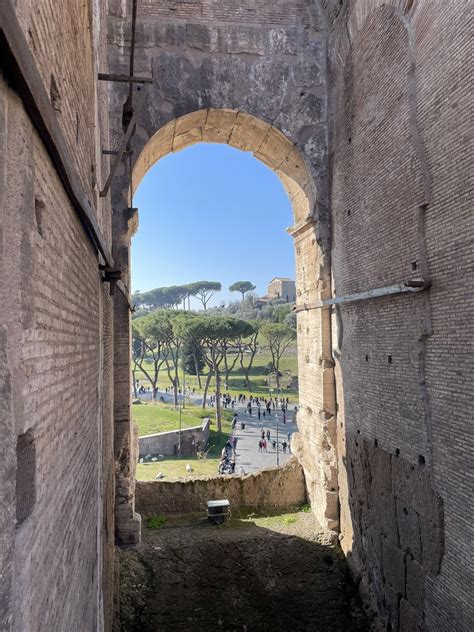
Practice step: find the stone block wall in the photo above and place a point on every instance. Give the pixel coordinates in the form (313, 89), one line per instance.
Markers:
(56, 477)
(166, 443)
(266, 489)
(398, 111)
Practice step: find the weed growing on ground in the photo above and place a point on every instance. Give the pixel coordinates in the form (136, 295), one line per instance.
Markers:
(155, 522)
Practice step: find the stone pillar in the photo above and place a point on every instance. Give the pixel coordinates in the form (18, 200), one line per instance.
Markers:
(315, 444)
(127, 521)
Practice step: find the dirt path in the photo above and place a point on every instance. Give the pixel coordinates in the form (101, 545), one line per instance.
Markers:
(279, 574)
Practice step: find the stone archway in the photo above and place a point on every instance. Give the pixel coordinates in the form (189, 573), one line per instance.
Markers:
(244, 132)
(260, 88)
(316, 421)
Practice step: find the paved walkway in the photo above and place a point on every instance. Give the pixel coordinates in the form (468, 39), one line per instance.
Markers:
(248, 457)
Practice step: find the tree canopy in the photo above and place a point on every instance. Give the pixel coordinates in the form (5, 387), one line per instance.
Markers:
(174, 295)
(243, 287)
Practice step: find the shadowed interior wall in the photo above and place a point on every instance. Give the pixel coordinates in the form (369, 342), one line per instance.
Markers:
(56, 542)
(399, 120)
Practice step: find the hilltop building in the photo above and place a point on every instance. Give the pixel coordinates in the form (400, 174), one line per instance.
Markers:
(282, 287)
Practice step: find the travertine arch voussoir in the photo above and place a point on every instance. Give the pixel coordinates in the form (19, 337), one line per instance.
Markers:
(242, 131)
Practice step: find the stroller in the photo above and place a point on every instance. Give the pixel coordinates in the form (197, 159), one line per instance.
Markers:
(226, 466)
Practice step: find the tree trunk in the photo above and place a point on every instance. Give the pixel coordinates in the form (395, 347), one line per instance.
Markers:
(175, 392)
(134, 383)
(197, 371)
(247, 379)
(154, 391)
(208, 381)
(218, 405)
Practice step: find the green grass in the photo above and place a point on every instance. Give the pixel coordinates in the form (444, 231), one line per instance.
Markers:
(175, 467)
(156, 417)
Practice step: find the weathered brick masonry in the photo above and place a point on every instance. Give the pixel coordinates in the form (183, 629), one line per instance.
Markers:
(401, 206)
(362, 109)
(56, 466)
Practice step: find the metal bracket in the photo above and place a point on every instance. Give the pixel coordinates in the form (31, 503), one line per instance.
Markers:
(123, 78)
(410, 286)
(111, 276)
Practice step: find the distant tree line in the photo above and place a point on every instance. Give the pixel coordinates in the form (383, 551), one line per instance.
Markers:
(175, 295)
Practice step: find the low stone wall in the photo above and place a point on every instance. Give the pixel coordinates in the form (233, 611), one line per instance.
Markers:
(272, 487)
(166, 443)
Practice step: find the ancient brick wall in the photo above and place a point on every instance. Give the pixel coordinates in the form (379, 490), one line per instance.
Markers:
(399, 109)
(56, 547)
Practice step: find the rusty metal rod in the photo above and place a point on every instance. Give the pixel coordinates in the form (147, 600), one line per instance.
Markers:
(411, 286)
(123, 78)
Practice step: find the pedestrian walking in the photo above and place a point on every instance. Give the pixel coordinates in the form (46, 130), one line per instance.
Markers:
(259, 413)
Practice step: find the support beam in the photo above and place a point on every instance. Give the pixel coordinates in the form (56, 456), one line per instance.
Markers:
(119, 154)
(19, 68)
(411, 286)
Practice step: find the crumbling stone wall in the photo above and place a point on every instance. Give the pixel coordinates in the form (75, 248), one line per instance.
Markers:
(56, 465)
(398, 91)
(269, 488)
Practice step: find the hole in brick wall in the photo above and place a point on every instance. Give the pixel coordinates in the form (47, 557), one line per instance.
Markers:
(327, 559)
(349, 140)
(348, 212)
(358, 432)
(390, 359)
(302, 94)
(357, 444)
(39, 208)
(405, 511)
(421, 460)
(414, 265)
(54, 95)
(366, 358)
(376, 443)
(25, 476)
(397, 452)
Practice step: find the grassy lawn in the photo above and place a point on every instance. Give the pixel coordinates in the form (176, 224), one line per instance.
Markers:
(258, 376)
(175, 467)
(156, 417)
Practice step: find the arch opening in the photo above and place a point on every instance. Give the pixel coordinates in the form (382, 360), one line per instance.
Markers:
(274, 150)
(241, 131)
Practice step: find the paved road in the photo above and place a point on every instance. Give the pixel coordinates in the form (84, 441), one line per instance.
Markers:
(248, 457)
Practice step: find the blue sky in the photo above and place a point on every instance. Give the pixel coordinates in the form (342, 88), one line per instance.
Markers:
(211, 212)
